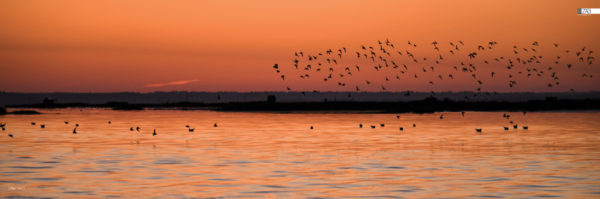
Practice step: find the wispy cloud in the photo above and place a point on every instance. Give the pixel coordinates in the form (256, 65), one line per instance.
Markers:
(173, 83)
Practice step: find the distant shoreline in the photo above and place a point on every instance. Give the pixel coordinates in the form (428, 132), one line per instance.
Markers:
(427, 105)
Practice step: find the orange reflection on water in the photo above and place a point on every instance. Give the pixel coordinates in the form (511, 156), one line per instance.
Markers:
(277, 155)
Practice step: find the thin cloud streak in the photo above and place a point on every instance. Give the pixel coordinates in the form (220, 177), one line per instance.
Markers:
(173, 83)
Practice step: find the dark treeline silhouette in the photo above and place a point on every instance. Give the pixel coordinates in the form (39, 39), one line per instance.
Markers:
(426, 105)
(11, 98)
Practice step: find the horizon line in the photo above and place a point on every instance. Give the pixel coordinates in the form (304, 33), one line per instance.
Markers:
(306, 91)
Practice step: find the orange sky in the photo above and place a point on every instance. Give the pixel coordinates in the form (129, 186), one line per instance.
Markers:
(151, 45)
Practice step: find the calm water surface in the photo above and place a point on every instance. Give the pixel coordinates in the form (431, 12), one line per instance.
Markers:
(278, 156)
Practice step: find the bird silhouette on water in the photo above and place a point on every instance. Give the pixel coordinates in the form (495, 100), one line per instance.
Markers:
(154, 133)
(478, 130)
(75, 130)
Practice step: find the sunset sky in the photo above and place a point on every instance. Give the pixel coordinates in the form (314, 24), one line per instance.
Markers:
(151, 45)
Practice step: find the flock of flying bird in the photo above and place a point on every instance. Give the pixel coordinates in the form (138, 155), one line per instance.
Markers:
(396, 63)
(447, 62)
